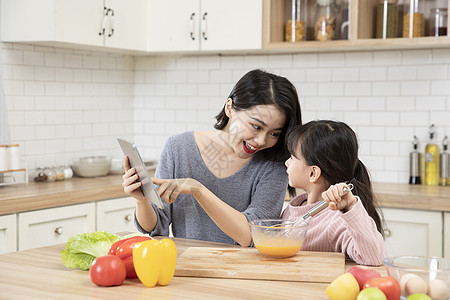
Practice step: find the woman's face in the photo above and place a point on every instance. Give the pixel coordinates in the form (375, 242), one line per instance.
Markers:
(254, 129)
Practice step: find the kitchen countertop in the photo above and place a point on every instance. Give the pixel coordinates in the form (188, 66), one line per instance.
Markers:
(20, 197)
(39, 274)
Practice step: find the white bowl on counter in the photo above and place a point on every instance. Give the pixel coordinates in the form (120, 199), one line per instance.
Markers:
(91, 166)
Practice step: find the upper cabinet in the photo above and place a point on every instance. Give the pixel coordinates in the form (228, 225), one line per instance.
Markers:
(211, 25)
(353, 24)
(103, 23)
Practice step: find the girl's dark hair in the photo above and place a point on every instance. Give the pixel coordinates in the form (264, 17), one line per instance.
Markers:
(333, 147)
(258, 87)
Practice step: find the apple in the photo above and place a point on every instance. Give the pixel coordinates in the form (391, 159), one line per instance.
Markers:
(388, 285)
(371, 293)
(344, 287)
(362, 275)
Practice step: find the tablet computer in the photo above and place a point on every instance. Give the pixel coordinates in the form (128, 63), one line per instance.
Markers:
(148, 188)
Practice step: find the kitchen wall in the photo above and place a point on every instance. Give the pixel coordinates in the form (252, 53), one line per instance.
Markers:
(63, 103)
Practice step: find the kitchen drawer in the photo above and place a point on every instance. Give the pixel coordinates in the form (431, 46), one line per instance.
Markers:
(8, 233)
(55, 225)
(116, 215)
(413, 232)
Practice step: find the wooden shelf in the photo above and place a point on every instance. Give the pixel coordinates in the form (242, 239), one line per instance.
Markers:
(361, 37)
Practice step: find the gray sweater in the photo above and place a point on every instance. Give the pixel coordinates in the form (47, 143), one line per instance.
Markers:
(257, 190)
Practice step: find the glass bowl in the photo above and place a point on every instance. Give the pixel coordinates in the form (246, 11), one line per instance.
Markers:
(433, 273)
(278, 238)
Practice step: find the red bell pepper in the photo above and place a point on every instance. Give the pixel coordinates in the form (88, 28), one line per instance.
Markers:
(124, 249)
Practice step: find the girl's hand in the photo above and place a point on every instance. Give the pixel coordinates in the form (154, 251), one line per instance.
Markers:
(131, 185)
(169, 189)
(335, 199)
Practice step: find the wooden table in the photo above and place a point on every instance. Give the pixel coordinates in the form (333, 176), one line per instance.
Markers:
(39, 274)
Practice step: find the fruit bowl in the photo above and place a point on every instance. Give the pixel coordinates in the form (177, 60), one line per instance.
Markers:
(278, 238)
(421, 275)
(92, 166)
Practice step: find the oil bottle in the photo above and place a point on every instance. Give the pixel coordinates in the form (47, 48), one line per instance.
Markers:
(431, 160)
(414, 164)
(444, 176)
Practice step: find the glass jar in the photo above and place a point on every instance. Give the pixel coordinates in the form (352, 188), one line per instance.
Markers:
(325, 20)
(39, 175)
(59, 170)
(50, 173)
(15, 161)
(68, 172)
(413, 19)
(344, 20)
(295, 25)
(438, 21)
(3, 158)
(387, 19)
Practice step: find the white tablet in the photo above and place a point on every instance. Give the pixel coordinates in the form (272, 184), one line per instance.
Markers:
(147, 187)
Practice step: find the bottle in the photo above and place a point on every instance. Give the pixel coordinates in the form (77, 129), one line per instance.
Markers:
(295, 27)
(387, 19)
(414, 164)
(325, 20)
(438, 22)
(413, 19)
(431, 160)
(444, 176)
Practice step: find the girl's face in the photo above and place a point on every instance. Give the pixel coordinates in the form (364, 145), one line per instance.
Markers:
(298, 170)
(254, 129)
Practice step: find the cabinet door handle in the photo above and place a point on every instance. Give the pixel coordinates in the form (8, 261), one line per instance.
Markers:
(105, 17)
(387, 232)
(111, 23)
(204, 26)
(128, 218)
(192, 33)
(59, 230)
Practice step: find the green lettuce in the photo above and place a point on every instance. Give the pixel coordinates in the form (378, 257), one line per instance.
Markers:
(83, 248)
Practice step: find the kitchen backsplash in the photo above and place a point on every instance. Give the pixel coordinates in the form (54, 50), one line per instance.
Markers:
(64, 103)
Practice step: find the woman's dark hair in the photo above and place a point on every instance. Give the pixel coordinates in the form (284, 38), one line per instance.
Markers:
(333, 147)
(258, 87)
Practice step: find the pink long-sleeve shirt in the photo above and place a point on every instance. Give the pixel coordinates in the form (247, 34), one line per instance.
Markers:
(353, 233)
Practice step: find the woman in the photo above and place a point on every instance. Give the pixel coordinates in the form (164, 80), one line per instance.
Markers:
(215, 182)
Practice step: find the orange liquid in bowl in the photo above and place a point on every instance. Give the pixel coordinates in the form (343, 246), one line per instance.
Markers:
(278, 252)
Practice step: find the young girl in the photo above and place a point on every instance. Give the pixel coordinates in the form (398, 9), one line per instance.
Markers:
(324, 159)
(215, 182)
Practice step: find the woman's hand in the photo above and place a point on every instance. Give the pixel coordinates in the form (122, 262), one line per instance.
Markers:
(336, 200)
(131, 185)
(169, 189)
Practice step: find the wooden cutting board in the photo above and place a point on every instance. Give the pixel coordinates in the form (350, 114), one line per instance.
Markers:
(248, 263)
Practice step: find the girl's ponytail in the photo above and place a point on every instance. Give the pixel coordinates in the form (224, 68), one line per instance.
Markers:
(362, 187)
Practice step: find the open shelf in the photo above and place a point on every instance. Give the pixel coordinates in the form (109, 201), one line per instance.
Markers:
(361, 31)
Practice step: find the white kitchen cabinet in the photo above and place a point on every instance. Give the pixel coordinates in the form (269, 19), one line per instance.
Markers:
(187, 25)
(105, 23)
(116, 215)
(413, 232)
(54, 225)
(8, 233)
(447, 235)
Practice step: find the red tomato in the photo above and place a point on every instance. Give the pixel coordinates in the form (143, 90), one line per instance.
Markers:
(126, 248)
(129, 266)
(388, 285)
(107, 270)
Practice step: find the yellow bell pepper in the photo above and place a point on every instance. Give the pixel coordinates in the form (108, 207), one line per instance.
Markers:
(155, 261)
